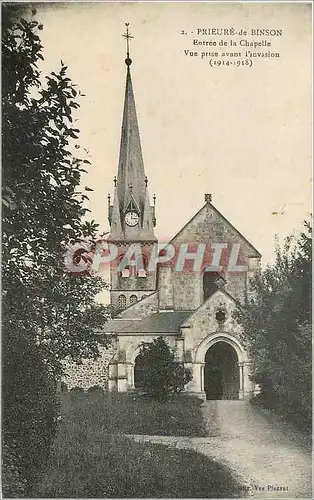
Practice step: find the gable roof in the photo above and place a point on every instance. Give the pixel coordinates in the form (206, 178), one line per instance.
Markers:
(220, 290)
(140, 302)
(258, 254)
(161, 322)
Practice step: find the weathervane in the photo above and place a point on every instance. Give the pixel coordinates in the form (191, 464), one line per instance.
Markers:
(127, 36)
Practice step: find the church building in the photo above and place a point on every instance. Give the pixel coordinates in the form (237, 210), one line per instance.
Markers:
(188, 299)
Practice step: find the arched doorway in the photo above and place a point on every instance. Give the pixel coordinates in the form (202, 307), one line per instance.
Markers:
(139, 366)
(221, 372)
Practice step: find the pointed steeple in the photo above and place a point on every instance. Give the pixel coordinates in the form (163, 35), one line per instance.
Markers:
(131, 165)
(131, 184)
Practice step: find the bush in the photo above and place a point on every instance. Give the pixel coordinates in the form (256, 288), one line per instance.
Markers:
(30, 410)
(95, 389)
(160, 374)
(77, 391)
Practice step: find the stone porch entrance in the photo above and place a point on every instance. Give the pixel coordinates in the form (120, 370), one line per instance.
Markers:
(221, 369)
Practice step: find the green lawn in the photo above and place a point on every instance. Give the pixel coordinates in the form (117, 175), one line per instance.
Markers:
(90, 461)
(130, 414)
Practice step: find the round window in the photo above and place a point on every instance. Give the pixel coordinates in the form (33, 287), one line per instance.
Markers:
(220, 316)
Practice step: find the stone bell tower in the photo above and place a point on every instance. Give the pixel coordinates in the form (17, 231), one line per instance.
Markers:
(131, 217)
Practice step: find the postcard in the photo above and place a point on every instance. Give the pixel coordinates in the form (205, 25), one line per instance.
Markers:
(157, 249)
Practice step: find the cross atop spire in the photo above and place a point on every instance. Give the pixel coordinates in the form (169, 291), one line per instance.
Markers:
(127, 36)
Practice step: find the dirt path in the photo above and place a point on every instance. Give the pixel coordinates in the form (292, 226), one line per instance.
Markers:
(270, 459)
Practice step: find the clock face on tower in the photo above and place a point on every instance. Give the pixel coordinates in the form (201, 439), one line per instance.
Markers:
(131, 218)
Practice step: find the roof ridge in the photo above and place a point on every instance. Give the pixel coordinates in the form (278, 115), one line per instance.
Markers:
(224, 218)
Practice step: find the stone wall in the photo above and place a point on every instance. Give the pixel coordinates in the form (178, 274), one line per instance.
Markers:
(236, 285)
(90, 372)
(188, 293)
(165, 287)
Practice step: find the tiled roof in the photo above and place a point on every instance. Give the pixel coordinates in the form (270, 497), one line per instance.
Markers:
(161, 322)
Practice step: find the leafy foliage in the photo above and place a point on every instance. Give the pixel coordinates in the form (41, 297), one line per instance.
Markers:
(30, 407)
(43, 175)
(47, 314)
(277, 324)
(160, 372)
(13, 483)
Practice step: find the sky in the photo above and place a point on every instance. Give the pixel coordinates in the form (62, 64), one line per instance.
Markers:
(241, 133)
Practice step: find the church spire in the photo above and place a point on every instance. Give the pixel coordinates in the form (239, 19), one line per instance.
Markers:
(131, 184)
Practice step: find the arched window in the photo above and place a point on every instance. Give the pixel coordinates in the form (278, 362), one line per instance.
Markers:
(122, 301)
(209, 285)
(133, 299)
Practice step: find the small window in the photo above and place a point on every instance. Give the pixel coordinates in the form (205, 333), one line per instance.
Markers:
(122, 301)
(133, 299)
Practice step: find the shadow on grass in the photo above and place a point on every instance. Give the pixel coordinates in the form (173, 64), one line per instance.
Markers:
(87, 462)
(179, 415)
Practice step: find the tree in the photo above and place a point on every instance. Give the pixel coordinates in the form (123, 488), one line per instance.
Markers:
(277, 328)
(43, 176)
(161, 374)
(48, 314)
